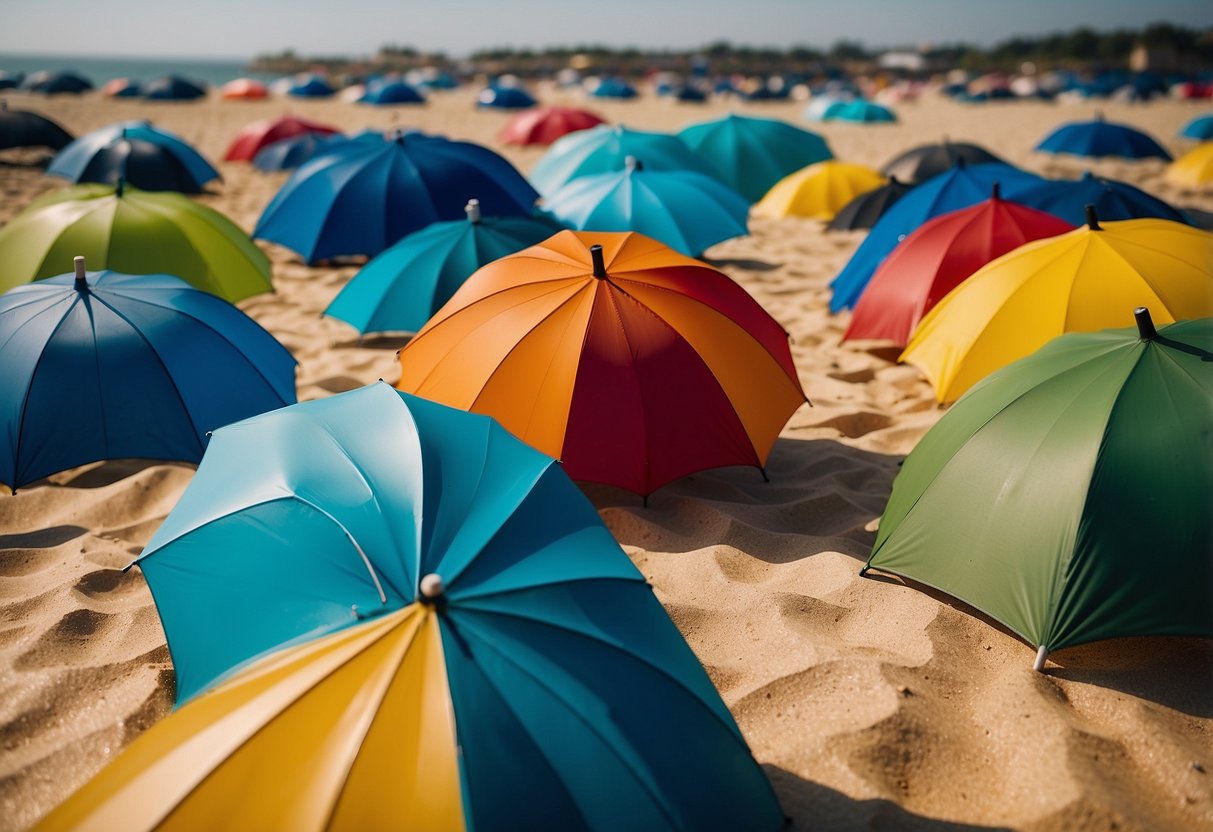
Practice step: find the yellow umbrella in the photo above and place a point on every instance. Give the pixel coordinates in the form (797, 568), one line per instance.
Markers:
(1076, 282)
(818, 191)
(1194, 169)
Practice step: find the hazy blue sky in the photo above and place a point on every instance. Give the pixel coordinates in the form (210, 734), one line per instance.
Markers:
(241, 28)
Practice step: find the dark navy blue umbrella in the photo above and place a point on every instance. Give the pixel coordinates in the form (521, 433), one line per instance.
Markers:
(172, 88)
(21, 128)
(959, 187)
(115, 366)
(49, 83)
(690, 94)
(505, 98)
(311, 86)
(1102, 138)
(391, 92)
(147, 157)
(1200, 128)
(291, 152)
(367, 196)
(10, 80)
(1113, 200)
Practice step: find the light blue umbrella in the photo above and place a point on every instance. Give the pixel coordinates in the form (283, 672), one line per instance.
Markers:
(614, 88)
(1097, 138)
(1199, 128)
(687, 211)
(120, 150)
(402, 287)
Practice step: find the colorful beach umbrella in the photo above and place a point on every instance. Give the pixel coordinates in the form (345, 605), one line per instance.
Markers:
(259, 134)
(1074, 282)
(172, 88)
(288, 154)
(402, 287)
(373, 193)
(22, 128)
(818, 191)
(688, 211)
(1067, 495)
(391, 92)
(154, 365)
(545, 125)
(136, 232)
(920, 163)
(148, 157)
(938, 257)
(861, 111)
(1194, 169)
(244, 89)
(631, 363)
(751, 154)
(864, 210)
(505, 98)
(605, 148)
(1113, 200)
(1098, 138)
(1199, 128)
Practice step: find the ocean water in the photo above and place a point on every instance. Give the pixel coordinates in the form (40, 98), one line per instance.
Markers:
(101, 69)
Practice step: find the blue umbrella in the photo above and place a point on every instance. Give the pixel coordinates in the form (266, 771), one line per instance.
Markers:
(606, 148)
(10, 80)
(172, 88)
(392, 92)
(292, 152)
(1199, 128)
(147, 157)
(687, 211)
(370, 194)
(1102, 138)
(614, 88)
(49, 83)
(1113, 200)
(402, 287)
(106, 366)
(505, 98)
(959, 187)
(690, 94)
(311, 86)
(862, 111)
(122, 88)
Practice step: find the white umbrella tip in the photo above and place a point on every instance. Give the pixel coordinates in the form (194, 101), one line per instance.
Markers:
(472, 209)
(432, 587)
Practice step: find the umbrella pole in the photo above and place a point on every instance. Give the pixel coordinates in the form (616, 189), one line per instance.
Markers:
(1041, 655)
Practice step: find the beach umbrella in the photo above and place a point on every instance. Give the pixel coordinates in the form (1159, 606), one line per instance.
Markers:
(631, 363)
(154, 365)
(1074, 282)
(49, 83)
(938, 257)
(864, 210)
(1098, 138)
(22, 128)
(1194, 169)
(820, 105)
(145, 156)
(121, 88)
(927, 160)
(1113, 200)
(545, 125)
(10, 80)
(959, 187)
(818, 191)
(372, 193)
(464, 645)
(261, 133)
(244, 89)
(688, 211)
(862, 111)
(392, 92)
(136, 232)
(403, 286)
(605, 148)
(614, 88)
(172, 88)
(689, 94)
(505, 98)
(310, 86)
(290, 153)
(1067, 495)
(1199, 128)
(751, 154)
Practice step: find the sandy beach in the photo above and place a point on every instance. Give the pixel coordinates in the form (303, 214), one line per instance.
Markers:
(872, 703)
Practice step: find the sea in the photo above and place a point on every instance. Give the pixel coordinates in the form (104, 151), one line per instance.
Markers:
(102, 69)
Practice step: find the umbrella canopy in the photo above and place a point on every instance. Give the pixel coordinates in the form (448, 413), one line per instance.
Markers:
(49, 83)
(121, 88)
(927, 160)
(1075, 282)
(311, 86)
(822, 104)
(10, 80)
(937, 258)
(257, 135)
(144, 156)
(402, 287)
(959, 187)
(474, 635)
(1194, 169)
(818, 191)
(287, 154)
(688, 211)
(861, 111)
(172, 88)
(605, 148)
(244, 89)
(1113, 200)
(505, 98)
(372, 193)
(545, 125)
(690, 94)
(1102, 138)
(1199, 128)
(1067, 496)
(614, 88)
(154, 366)
(22, 128)
(137, 232)
(864, 210)
(392, 92)
(751, 154)
(631, 363)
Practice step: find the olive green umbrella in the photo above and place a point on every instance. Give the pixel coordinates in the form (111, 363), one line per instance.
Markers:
(136, 232)
(1067, 495)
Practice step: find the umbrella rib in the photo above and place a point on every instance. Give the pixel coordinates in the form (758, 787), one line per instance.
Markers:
(353, 541)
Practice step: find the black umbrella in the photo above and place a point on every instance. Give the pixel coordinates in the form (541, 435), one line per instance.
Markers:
(21, 128)
(172, 88)
(10, 80)
(923, 162)
(864, 210)
(51, 82)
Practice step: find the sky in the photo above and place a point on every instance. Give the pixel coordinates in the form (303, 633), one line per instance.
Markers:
(244, 28)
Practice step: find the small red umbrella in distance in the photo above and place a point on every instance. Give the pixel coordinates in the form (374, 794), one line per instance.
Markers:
(547, 124)
(937, 258)
(260, 133)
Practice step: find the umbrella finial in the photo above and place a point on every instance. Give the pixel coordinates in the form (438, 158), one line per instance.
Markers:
(82, 282)
(1145, 324)
(472, 209)
(632, 164)
(431, 588)
(1092, 219)
(996, 191)
(599, 263)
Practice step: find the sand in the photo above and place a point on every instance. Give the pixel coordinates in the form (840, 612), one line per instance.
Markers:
(871, 703)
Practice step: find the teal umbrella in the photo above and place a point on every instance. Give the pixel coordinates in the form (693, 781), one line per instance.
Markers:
(752, 154)
(402, 287)
(1067, 495)
(862, 111)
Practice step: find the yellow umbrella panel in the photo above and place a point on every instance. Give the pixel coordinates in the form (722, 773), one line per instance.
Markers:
(818, 191)
(1194, 169)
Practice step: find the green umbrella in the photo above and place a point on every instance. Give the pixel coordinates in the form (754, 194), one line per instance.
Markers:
(1067, 496)
(136, 232)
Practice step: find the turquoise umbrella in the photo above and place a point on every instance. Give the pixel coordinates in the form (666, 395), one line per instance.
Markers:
(752, 154)
(401, 288)
(862, 111)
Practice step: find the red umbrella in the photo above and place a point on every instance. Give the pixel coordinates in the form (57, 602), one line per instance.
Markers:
(937, 258)
(260, 133)
(547, 124)
(244, 89)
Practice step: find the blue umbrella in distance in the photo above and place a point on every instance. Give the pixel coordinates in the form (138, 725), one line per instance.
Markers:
(22, 128)
(1098, 138)
(862, 111)
(49, 83)
(1113, 200)
(505, 98)
(172, 88)
(391, 92)
(614, 88)
(147, 157)
(102, 365)
(1199, 128)
(291, 152)
(371, 193)
(311, 86)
